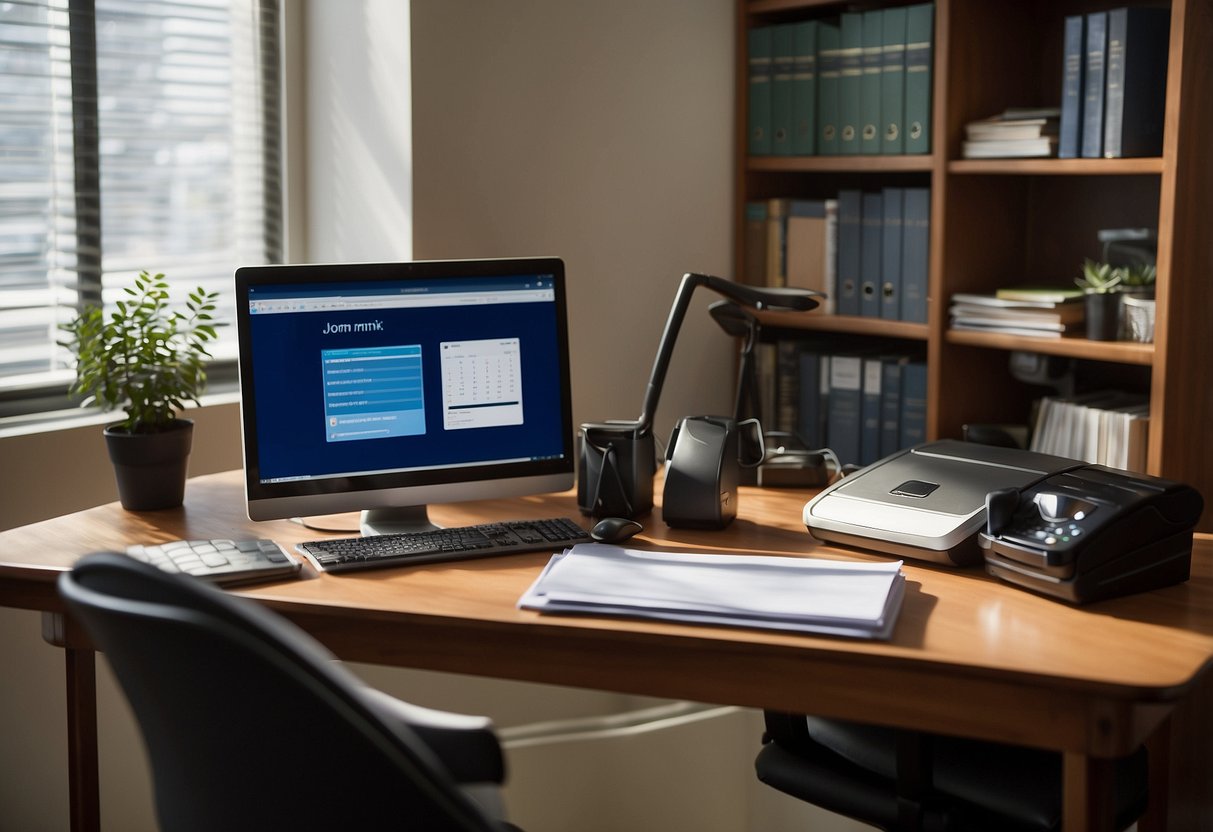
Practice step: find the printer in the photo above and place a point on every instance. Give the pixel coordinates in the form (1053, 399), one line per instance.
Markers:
(927, 502)
(1058, 527)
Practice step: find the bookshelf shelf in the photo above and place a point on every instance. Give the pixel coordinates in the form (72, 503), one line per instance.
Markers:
(772, 6)
(1058, 167)
(1116, 352)
(845, 323)
(836, 164)
(999, 222)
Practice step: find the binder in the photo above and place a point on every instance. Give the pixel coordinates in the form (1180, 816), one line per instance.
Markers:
(871, 243)
(850, 84)
(919, 72)
(890, 404)
(890, 253)
(755, 243)
(828, 74)
(869, 100)
(804, 88)
(870, 413)
(777, 236)
(759, 41)
(810, 419)
(1070, 124)
(1094, 81)
(782, 56)
(808, 246)
(893, 80)
(915, 254)
(850, 209)
(1135, 92)
(845, 407)
(913, 404)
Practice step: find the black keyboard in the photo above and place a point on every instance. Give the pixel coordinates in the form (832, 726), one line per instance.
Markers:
(481, 541)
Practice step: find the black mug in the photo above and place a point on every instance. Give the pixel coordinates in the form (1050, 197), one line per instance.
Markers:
(617, 465)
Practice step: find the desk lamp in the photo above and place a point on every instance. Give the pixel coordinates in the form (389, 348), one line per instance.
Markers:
(786, 460)
(740, 323)
(618, 457)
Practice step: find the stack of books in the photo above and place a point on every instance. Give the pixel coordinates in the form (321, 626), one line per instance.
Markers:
(807, 595)
(1114, 82)
(1012, 134)
(1104, 428)
(1037, 313)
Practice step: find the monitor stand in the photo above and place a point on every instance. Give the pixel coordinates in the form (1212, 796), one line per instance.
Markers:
(395, 520)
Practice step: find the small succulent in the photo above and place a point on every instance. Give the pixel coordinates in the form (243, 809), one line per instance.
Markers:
(1139, 275)
(1100, 278)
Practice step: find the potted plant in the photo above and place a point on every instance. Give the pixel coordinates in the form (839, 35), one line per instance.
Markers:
(1101, 283)
(1137, 303)
(147, 359)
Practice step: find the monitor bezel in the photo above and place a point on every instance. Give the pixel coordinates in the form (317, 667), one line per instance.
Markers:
(398, 489)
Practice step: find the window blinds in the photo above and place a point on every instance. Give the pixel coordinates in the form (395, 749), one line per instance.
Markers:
(134, 135)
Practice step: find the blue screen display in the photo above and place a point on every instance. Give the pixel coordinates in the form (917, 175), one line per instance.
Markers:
(356, 378)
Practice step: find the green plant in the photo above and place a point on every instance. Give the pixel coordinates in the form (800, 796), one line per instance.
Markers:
(145, 358)
(1139, 275)
(1099, 278)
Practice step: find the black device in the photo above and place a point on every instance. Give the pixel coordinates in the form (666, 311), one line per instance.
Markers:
(385, 387)
(704, 460)
(785, 461)
(618, 459)
(438, 545)
(1091, 533)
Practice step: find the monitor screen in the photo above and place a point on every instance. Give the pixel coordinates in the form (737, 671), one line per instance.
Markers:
(383, 387)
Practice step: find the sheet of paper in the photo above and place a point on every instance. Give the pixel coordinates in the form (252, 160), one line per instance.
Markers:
(843, 598)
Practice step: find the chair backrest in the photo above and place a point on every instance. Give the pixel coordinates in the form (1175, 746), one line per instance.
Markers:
(247, 723)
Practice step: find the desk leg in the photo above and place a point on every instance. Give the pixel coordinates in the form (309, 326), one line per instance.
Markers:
(1158, 747)
(1088, 796)
(83, 787)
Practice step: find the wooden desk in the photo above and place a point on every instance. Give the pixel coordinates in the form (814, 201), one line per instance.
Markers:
(969, 655)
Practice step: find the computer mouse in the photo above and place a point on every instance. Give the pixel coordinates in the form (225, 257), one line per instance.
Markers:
(614, 529)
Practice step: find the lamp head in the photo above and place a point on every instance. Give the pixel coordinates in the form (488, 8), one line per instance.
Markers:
(756, 297)
(775, 299)
(733, 319)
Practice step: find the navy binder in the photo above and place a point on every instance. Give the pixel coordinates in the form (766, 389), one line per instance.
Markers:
(850, 211)
(915, 256)
(1094, 82)
(1073, 60)
(870, 271)
(890, 253)
(1136, 88)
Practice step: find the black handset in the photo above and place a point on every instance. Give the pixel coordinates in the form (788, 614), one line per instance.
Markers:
(1091, 532)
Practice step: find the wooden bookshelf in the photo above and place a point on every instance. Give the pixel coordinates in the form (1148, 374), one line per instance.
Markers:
(995, 222)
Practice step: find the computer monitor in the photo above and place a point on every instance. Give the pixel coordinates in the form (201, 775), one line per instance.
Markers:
(383, 387)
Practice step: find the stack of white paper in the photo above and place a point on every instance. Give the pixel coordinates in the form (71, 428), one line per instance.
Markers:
(784, 593)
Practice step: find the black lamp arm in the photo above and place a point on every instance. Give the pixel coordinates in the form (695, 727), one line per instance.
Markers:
(755, 296)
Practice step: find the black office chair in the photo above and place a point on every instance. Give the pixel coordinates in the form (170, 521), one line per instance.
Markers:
(250, 724)
(909, 780)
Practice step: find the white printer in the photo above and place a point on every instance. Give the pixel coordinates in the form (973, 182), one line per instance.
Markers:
(927, 502)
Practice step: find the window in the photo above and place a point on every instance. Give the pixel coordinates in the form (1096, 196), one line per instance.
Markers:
(134, 134)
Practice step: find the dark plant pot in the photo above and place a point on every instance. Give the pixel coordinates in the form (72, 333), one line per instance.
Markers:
(1103, 316)
(150, 467)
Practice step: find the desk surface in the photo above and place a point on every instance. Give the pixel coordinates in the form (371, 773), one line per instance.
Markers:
(967, 651)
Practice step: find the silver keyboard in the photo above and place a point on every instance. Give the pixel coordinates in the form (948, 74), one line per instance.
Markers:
(221, 561)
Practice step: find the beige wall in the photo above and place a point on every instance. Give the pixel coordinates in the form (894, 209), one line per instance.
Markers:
(599, 132)
(59, 471)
